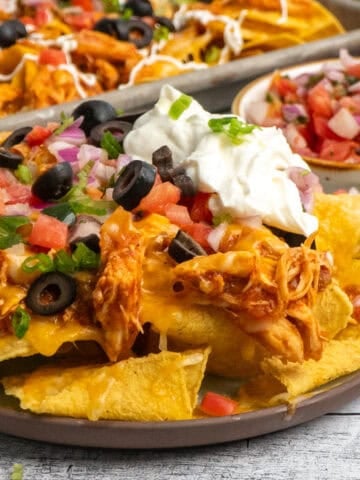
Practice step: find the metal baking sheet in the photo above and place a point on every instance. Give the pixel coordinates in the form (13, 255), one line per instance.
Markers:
(214, 88)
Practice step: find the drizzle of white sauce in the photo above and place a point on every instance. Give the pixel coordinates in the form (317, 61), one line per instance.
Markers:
(284, 11)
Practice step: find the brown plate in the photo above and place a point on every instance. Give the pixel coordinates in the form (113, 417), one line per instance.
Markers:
(143, 435)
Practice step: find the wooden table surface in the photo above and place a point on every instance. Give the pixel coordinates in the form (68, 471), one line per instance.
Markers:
(327, 448)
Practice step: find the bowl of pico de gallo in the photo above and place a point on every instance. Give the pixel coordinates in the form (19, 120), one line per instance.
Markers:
(317, 106)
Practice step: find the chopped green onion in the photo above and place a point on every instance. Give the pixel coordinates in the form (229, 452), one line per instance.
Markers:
(20, 322)
(92, 207)
(63, 262)
(127, 13)
(66, 122)
(232, 127)
(111, 6)
(111, 145)
(161, 33)
(37, 263)
(23, 174)
(179, 106)
(222, 218)
(269, 97)
(212, 54)
(85, 258)
(61, 211)
(8, 230)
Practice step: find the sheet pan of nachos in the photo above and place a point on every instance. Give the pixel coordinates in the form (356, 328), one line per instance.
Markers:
(141, 259)
(56, 52)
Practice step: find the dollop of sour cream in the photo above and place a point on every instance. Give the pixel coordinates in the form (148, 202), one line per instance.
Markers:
(247, 179)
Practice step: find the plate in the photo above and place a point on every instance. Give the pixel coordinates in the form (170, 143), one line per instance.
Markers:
(186, 433)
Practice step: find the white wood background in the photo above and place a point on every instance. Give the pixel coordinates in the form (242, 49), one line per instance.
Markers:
(327, 448)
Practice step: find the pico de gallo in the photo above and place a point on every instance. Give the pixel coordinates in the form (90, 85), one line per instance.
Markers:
(318, 111)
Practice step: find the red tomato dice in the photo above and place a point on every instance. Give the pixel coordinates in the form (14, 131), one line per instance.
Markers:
(159, 197)
(319, 101)
(199, 232)
(38, 135)
(177, 214)
(217, 405)
(49, 232)
(52, 56)
(200, 211)
(337, 151)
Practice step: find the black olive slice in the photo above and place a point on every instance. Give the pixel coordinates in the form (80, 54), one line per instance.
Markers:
(94, 113)
(140, 8)
(134, 182)
(139, 33)
(54, 183)
(163, 161)
(106, 25)
(16, 137)
(86, 230)
(185, 183)
(51, 293)
(8, 34)
(118, 128)
(10, 159)
(182, 248)
(165, 22)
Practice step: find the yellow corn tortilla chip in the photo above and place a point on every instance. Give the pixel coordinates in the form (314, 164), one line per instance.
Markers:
(339, 232)
(160, 386)
(340, 357)
(333, 310)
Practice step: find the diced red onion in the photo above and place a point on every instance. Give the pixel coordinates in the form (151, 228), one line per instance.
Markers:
(303, 79)
(355, 87)
(122, 160)
(292, 111)
(346, 59)
(102, 172)
(108, 195)
(73, 135)
(215, 236)
(69, 154)
(17, 209)
(89, 153)
(357, 118)
(334, 75)
(307, 183)
(257, 112)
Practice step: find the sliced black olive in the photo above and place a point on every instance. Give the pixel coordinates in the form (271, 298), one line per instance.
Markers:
(106, 25)
(292, 239)
(54, 183)
(51, 293)
(94, 113)
(185, 183)
(183, 248)
(19, 28)
(16, 137)
(86, 230)
(61, 211)
(139, 33)
(140, 8)
(118, 128)
(163, 161)
(8, 35)
(165, 22)
(10, 159)
(134, 182)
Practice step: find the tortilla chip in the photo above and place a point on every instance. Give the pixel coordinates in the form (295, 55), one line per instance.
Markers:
(339, 232)
(333, 310)
(157, 387)
(339, 358)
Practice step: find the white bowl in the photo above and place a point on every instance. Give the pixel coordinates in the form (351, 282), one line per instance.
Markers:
(333, 175)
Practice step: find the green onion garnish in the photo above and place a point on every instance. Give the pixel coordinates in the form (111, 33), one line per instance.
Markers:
(37, 263)
(8, 230)
(23, 174)
(127, 13)
(111, 145)
(66, 122)
(222, 218)
(20, 321)
(85, 258)
(17, 472)
(63, 262)
(232, 127)
(179, 106)
(212, 54)
(161, 33)
(61, 211)
(111, 6)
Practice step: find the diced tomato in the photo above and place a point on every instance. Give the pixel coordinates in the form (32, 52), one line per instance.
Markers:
(38, 135)
(336, 150)
(199, 232)
(177, 214)
(86, 5)
(85, 20)
(52, 56)
(200, 211)
(159, 197)
(27, 20)
(354, 70)
(351, 103)
(285, 87)
(319, 101)
(18, 193)
(321, 128)
(217, 405)
(43, 15)
(49, 232)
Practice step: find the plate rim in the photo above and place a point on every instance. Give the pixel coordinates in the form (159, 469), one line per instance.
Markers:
(182, 433)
